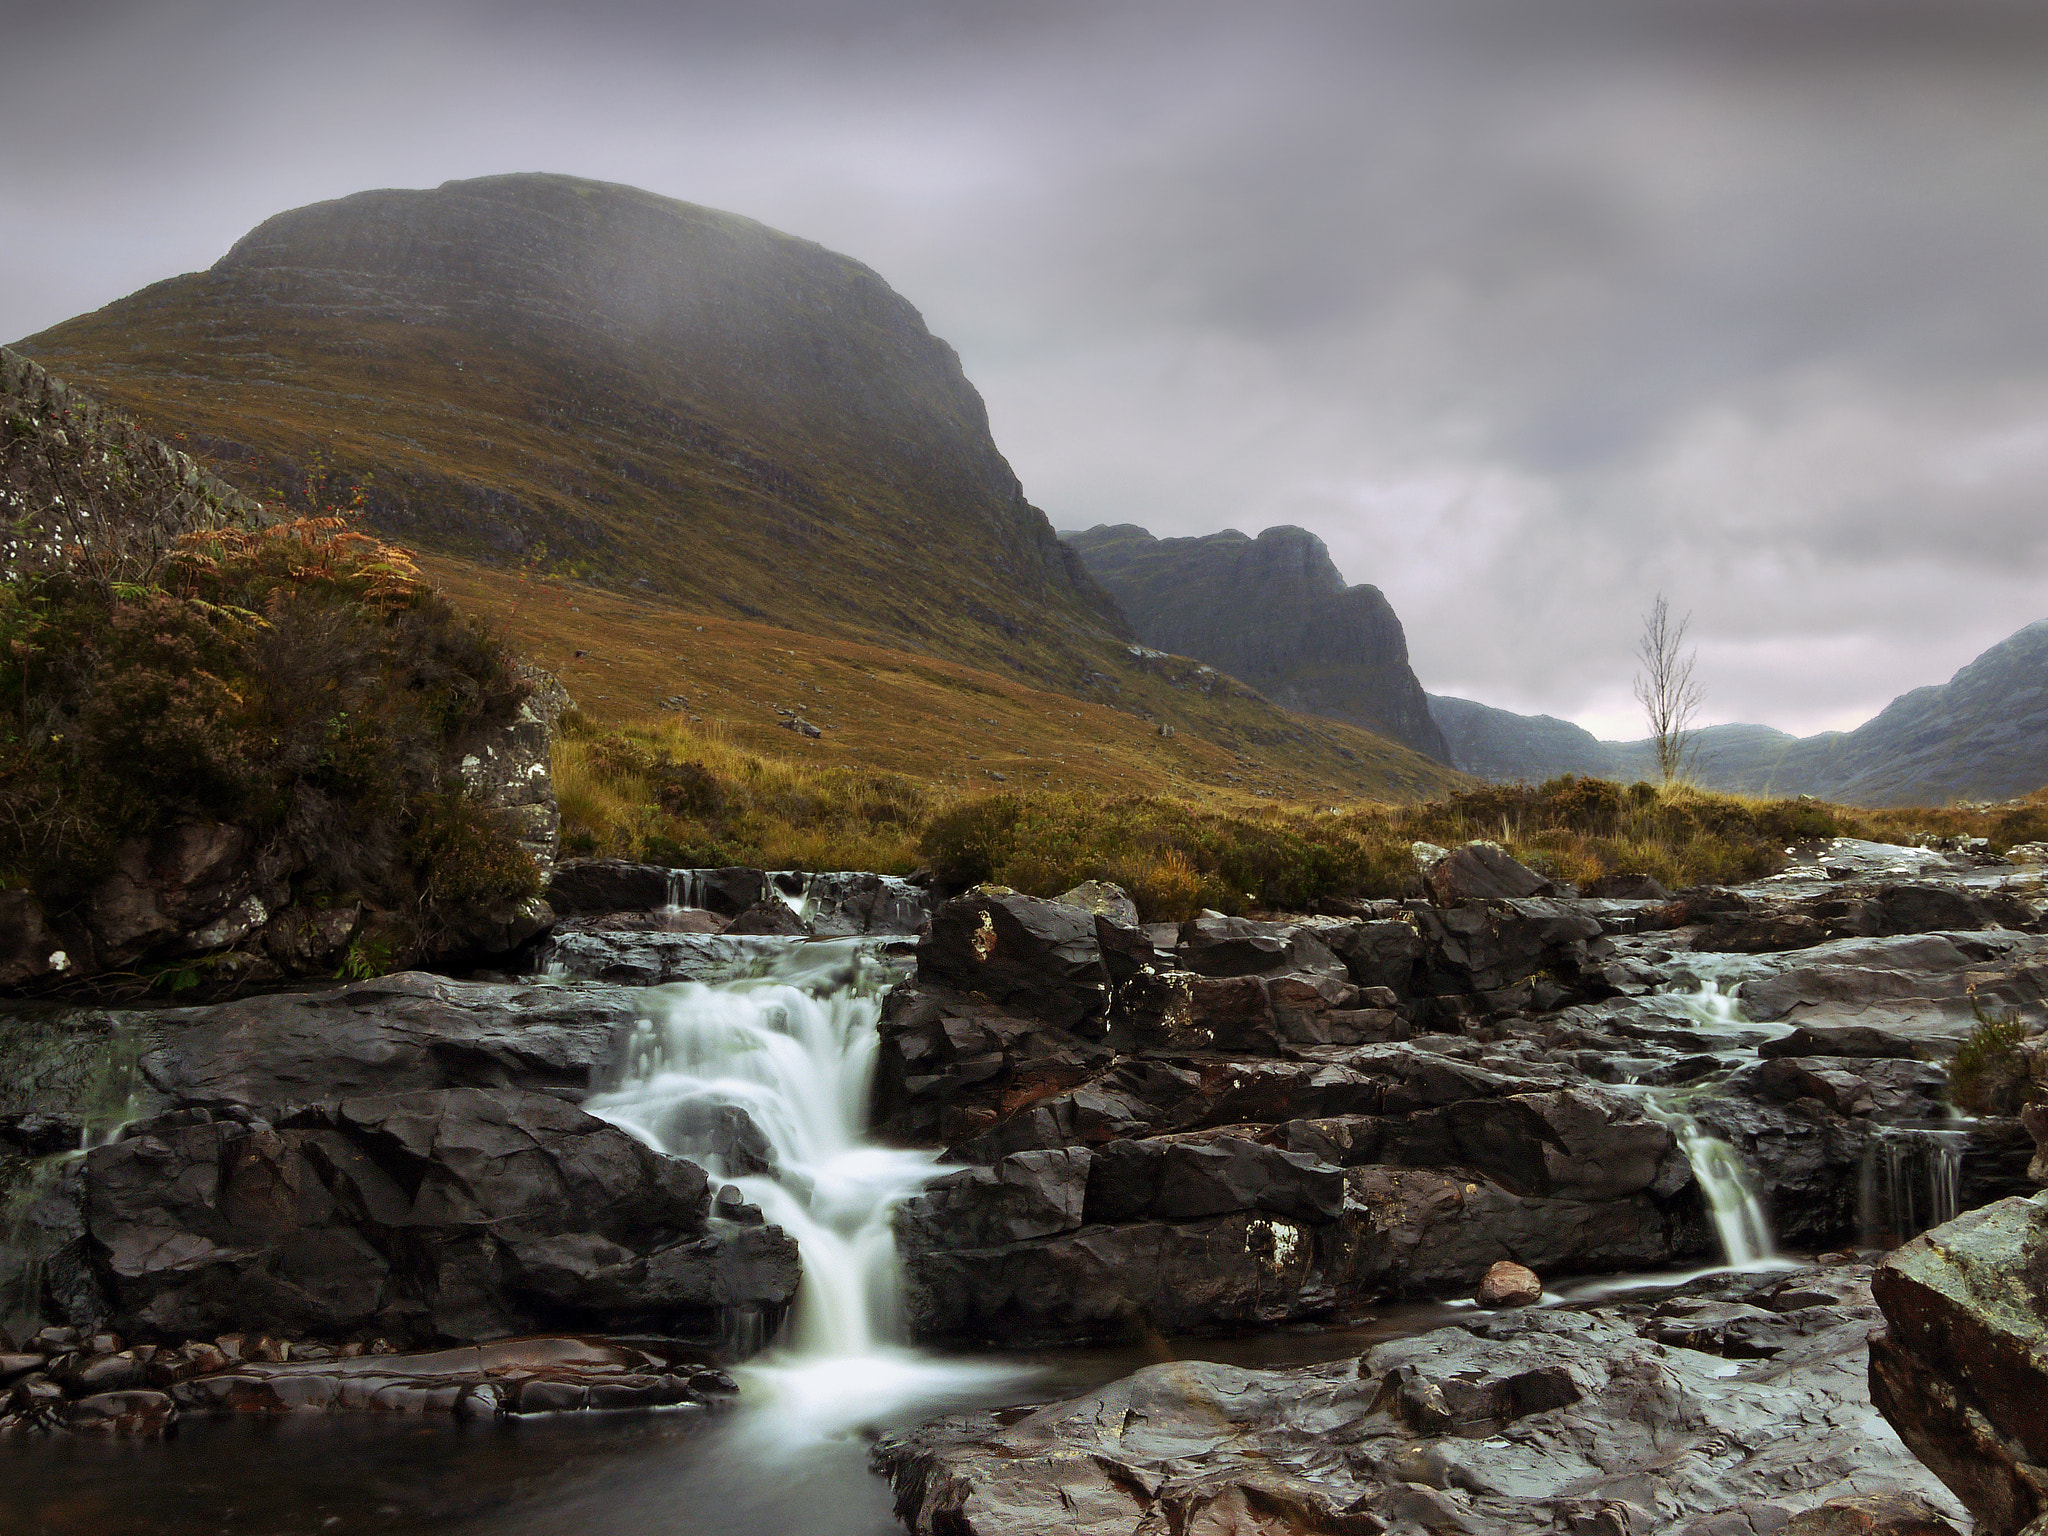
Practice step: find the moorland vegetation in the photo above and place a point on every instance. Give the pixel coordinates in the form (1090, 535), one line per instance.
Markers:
(672, 792)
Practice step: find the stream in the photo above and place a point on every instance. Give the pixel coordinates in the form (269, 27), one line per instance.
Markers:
(794, 1046)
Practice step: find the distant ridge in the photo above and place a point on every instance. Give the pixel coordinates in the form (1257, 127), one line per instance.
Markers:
(1982, 735)
(1275, 612)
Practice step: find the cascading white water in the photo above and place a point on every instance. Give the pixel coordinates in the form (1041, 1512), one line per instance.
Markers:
(1724, 1179)
(1912, 1180)
(795, 1049)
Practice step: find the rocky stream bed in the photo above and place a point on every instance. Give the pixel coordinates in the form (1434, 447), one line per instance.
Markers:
(793, 1163)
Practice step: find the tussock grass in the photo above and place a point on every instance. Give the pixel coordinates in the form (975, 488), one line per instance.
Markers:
(688, 794)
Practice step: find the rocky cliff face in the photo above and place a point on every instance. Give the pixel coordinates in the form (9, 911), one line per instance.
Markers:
(582, 377)
(1982, 735)
(1275, 612)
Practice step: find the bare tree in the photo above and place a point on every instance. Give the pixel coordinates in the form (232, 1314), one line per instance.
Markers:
(1669, 695)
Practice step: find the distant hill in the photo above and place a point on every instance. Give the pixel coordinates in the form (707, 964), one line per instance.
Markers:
(1275, 612)
(1983, 735)
(542, 376)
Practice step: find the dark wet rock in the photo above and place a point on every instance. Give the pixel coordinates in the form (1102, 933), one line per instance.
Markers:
(1758, 933)
(577, 886)
(1105, 900)
(845, 904)
(1526, 1421)
(1627, 886)
(1849, 1040)
(1960, 1371)
(772, 916)
(426, 1215)
(647, 958)
(950, 1065)
(1026, 1195)
(1180, 1179)
(1482, 871)
(662, 920)
(1039, 957)
(139, 1414)
(29, 951)
(1578, 1144)
(1925, 988)
(1400, 1232)
(1378, 954)
(1238, 946)
(1485, 947)
(395, 1034)
(1930, 909)
(506, 1376)
(1508, 1284)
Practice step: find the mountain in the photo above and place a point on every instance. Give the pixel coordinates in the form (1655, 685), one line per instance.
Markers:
(585, 378)
(1275, 612)
(542, 379)
(1983, 735)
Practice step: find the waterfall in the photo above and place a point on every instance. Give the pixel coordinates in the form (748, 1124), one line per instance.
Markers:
(1911, 1180)
(1724, 1179)
(764, 1081)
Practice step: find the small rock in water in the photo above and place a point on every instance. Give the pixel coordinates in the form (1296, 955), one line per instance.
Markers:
(1508, 1284)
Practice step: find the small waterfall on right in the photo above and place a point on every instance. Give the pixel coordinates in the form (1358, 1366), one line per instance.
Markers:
(1912, 1180)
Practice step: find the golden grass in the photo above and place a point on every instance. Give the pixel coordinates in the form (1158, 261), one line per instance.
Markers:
(943, 723)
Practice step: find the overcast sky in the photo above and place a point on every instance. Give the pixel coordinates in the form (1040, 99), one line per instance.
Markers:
(1530, 308)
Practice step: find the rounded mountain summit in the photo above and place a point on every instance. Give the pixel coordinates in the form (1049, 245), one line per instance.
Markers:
(592, 380)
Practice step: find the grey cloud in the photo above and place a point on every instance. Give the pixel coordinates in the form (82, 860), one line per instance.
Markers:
(1530, 310)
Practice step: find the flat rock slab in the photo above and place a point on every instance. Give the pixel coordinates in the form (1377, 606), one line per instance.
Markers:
(1534, 1421)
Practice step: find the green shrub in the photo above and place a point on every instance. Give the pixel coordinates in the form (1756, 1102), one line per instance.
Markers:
(299, 680)
(1989, 1074)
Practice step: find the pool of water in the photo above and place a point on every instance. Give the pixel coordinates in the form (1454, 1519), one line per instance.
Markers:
(762, 1469)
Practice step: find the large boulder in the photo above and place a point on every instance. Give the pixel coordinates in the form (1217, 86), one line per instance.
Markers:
(1386, 953)
(1038, 957)
(1238, 946)
(1962, 1370)
(396, 1034)
(950, 1065)
(1532, 1422)
(421, 1216)
(1186, 1178)
(1488, 947)
(578, 886)
(1482, 871)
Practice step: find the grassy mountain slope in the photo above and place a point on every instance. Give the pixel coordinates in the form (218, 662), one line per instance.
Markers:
(559, 378)
(925, 717)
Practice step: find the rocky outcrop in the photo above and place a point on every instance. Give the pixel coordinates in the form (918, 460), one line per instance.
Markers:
(447, 1214)
(1229, 1124)
(1731, 1407)
(1962, 1370)
(1248, 1121)
(401, 1159)
(1274, 612)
